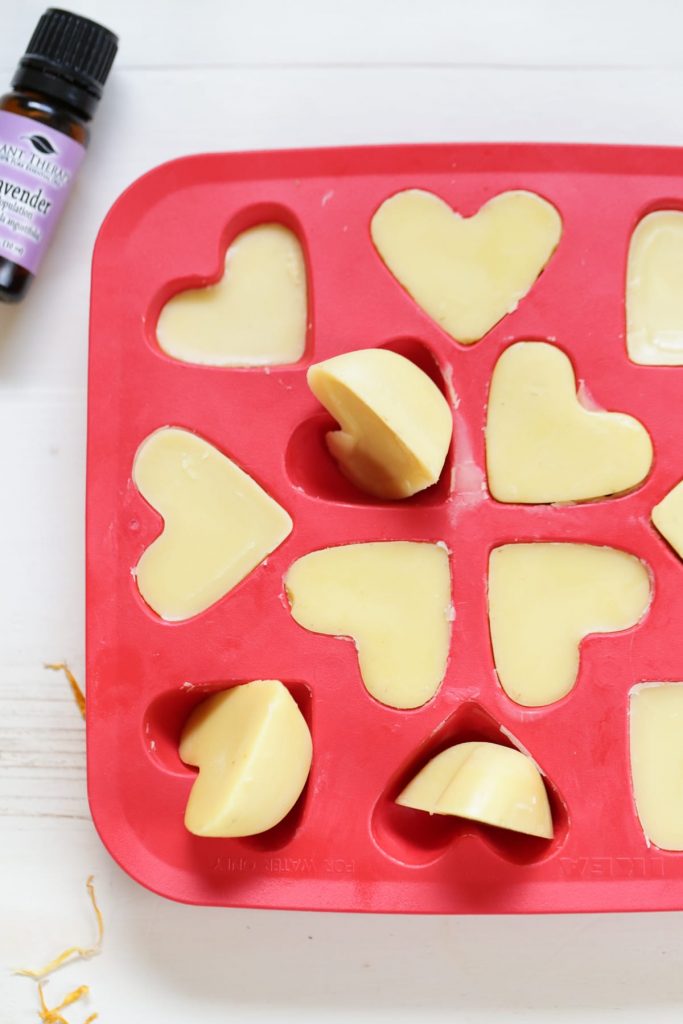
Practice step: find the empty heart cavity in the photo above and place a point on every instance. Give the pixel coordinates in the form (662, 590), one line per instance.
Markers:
(466, 273)
(255, 315)
(219, 524)
(412, 836)
(544, 599)
(543, 445)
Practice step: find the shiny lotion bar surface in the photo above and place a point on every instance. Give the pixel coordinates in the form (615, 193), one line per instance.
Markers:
(484, 782)
(544, 599)
(254, 316)
(253, 749)
(654, 290)
(466, 273)
(218, 523)
(394, 599)
(396, 425)
(656, 730)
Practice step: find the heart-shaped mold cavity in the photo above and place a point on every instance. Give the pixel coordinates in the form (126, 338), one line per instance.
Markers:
(416, 838)
(543, 445)
(466, 273)
(252, 312)
(654, 296)
(545, 598)
(219, 523)
(162, 728)
(656, 757)
(393, 598)
(312, 469)
(667, 518)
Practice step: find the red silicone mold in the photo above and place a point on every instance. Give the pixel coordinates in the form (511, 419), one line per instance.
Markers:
(346, 845)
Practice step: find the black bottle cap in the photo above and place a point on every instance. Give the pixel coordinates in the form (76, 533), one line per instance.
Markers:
(68, 58)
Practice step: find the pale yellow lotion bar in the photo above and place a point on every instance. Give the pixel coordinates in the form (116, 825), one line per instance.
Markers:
(544, 599)
(656, 731)
(484, 782)
(218, 523)
(254, 316)
(543, 446)
(253, 749)
(396, 425)
(466, 273)
(668, 518)
(394, 599)
(654, 290)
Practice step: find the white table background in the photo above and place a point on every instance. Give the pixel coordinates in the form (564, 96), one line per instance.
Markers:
(242, 74)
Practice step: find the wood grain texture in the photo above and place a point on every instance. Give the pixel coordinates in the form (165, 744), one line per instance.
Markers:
(211, 76)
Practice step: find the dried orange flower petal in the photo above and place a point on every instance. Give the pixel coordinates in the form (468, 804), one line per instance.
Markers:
(73, 952)
(79, 696)
(53, 1016)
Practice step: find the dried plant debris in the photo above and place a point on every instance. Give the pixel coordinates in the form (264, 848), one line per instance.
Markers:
(54, 1015)
(73, 952)
(79, 696)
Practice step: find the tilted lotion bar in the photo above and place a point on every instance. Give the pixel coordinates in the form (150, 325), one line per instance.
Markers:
(394, 599)
(218, 523)
(396, 425)
(667, 516)
(484, 782)
(654, 290)
(544, 598)
(254, 316)
(656, 730)
(466, 272)
(253, 749)
(543, 446)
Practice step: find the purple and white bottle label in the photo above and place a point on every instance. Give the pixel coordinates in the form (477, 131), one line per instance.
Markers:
(37, 168)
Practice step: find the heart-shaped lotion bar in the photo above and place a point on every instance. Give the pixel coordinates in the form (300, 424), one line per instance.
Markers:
(466, 273)
(668, 518)
(654, 290)
(396, 424)
(483, 782)
(218, 523)
(254, 316)
(394, 599)
(543, 446)
(544, 599)
(656, 734)
(253, 749)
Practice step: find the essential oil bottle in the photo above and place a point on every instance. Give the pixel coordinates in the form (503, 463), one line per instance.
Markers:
(44, 129)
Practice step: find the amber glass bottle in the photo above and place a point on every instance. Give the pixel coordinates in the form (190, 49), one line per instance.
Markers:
(44, 129)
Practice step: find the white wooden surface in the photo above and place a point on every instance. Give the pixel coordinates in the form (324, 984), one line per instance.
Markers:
(215, 74)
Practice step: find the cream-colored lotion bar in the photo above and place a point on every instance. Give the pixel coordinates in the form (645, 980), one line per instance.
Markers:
(544, 599)
(668, 518)
(396, 425)
(654, 290)
(394, 599)
(656, 731)
(218, 523)
(254, 316)
(484, 782)
(543, 446)
(253, 749)
(466, 273)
